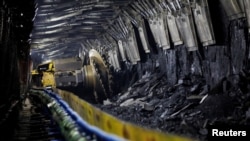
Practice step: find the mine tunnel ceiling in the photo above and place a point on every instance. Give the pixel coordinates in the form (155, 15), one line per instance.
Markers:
(60, 26)
(66, 28)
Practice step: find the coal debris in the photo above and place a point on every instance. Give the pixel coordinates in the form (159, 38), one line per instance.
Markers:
(186, 108)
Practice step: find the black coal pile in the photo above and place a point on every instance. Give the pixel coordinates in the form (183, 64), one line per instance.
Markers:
(187, 108)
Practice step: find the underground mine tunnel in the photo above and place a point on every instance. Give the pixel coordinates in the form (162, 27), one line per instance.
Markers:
(114, 70)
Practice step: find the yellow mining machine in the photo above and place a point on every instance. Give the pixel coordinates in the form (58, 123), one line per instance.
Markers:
(43, 75)
(93, 76)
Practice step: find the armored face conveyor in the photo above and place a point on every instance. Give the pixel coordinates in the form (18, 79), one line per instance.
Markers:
(80, 121)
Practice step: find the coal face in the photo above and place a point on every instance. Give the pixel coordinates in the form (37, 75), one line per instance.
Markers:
(183, 92)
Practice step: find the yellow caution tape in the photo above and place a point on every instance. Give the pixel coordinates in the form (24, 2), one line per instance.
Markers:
(110, 124)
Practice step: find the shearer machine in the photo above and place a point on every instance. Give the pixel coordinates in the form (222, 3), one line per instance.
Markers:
(94, 75)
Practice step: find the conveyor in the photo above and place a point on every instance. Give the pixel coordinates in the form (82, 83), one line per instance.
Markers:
(72, 126)
(79, 121)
